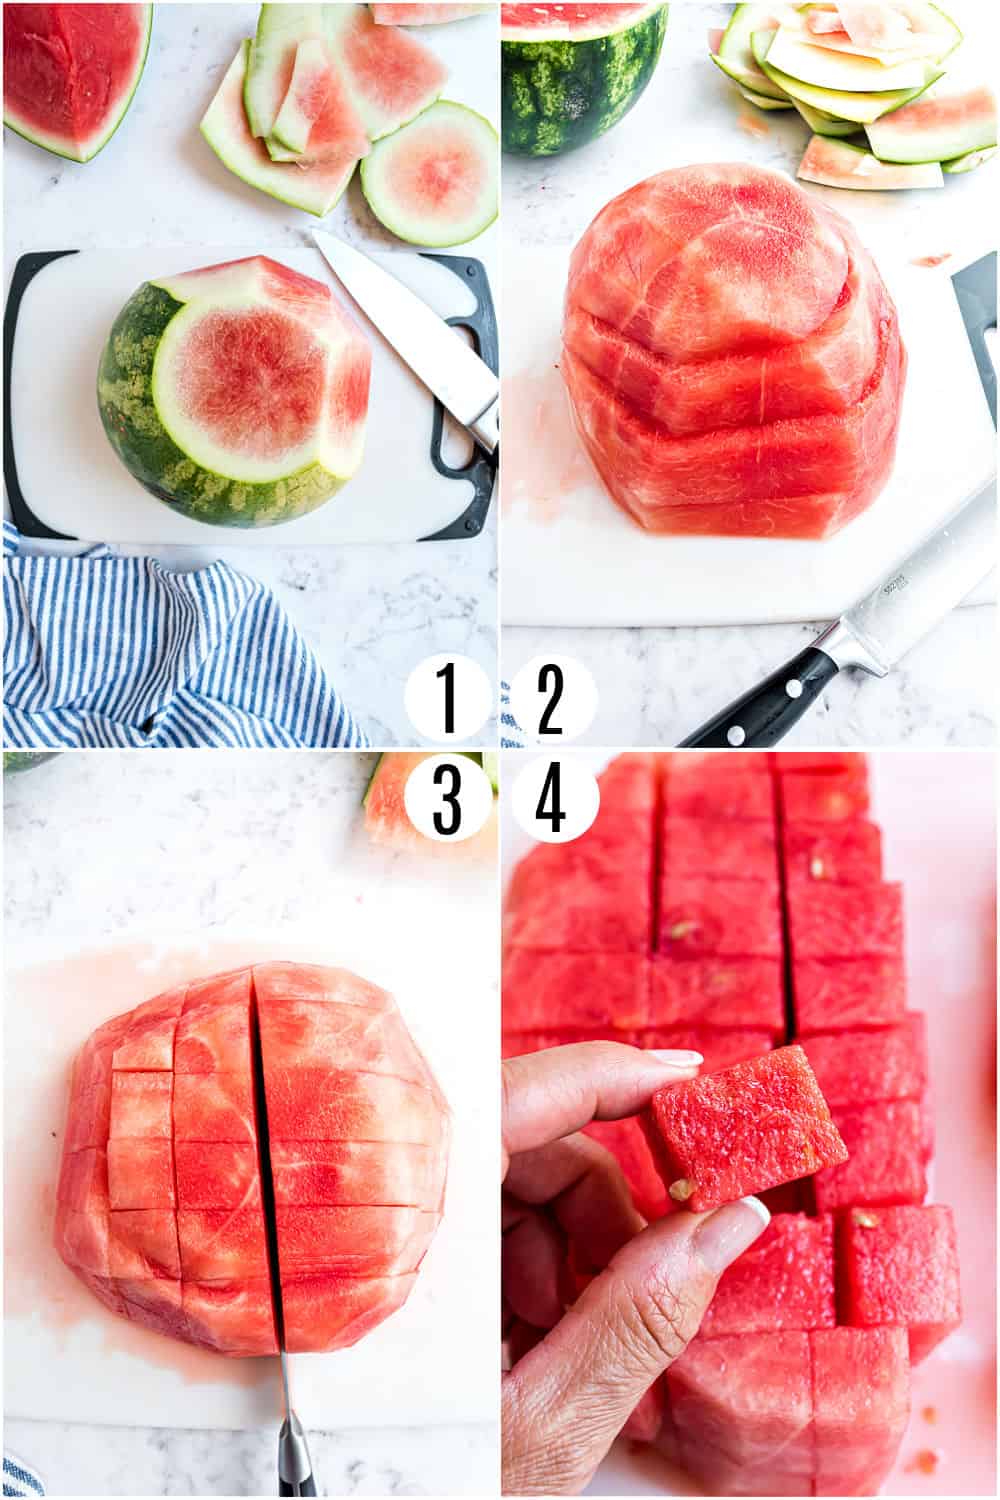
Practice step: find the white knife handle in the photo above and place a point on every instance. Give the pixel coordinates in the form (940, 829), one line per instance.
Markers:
(486, 428)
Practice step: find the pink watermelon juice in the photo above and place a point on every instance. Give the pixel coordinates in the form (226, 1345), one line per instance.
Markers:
(799, 1380)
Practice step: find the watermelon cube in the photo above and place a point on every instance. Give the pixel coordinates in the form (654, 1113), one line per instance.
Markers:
(140, 1104)
(887, 1145)
(628, 1145)
(83, 1180)
(340, 1036)
(82, 1239)
(742, 1410)
(702, 917)
(155, 1302)
(216, 1174)
(861, 1401)
(828, 762)
(718, 785)
(750, 1127)
(332, 1312)
(352, 1241)
(222, 1244)
(143, 1242)
(825, 796)
(845, 922)
(214, 1107)
(784, 1281)
(140, 1173)
(95, 1059)
(521, 1043)
(274, 983)
(728, 849)
(847, 994)
(235, 1317)
(597, 898)
(148, 1040)
(90, 1118)
(720, 1049)
(898, 1267)
(574, 991)
(860, 1067)
(717, 992)
(213, 1039)
(329, 1174)
(646, 1421)
(630, 783)
(845, 853)
(315, 1104)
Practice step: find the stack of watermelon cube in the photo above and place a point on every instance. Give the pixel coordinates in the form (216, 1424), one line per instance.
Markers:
(732, 904)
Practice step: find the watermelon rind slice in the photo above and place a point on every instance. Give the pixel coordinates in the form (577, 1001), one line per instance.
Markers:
(838, 164)
(762, 101)
(57, 144)
(969, 162)
(840, 71)
(861, 108)
(939, 33)
(428, 138)
(295, 118)
(280, 31)
(937, 127)
(735, 56)
(820, 123)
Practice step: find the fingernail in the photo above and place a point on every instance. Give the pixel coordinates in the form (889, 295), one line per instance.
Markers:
(677, 1059)
(730, 1230)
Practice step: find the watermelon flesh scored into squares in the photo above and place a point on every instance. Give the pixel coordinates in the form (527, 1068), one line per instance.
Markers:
(701, 784)
(812, 795)
(784, 1281)
(845, 922)
(237, 394)
(436, 181)
(574, 992)
(847, 993)
(655, 269)
(846, 853)
(605, 894)
(887, 1149)
(898, 1268)
(718, 992)
(70, 72)
(749, 1127)
(164, 1215)
(425, 15)
(860, 1067)
(861, 1405)
(700, 915)
(726, 849)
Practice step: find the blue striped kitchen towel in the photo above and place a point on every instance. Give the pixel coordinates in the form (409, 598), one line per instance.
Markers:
(509, 727)
(18, 1479)
(114, 652)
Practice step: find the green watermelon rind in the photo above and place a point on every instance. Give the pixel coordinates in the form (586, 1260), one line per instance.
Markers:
(15, 761)
(892, 140)
(560, 94)
(125, 396)
(862, 109)
(49, 143)
(969, 161)
(388, 215)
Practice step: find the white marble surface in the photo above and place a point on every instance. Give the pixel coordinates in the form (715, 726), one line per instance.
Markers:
(370, 613)
(232, 840)
(657, 685)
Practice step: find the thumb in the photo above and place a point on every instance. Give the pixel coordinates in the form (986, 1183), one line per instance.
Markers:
(566, 1401)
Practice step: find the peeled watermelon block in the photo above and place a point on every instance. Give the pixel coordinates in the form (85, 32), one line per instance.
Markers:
(140, 1105)
(213, 1032)
(888, 1148)
(861, 1400)
(839, 922)
(861, 1067)
(702, 916)
(148, 1039)
(706, 784)
(784, 1281)
(825, 795)
(847, 993)
(898, 1267)
(628, 1145)
(753, 1126)
(728, 849)
(844, 853)
(214, 1107)
(717, 992)
(574, 991)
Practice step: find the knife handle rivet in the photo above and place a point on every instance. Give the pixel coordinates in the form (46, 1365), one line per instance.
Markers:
(794, 688)
(736, 734)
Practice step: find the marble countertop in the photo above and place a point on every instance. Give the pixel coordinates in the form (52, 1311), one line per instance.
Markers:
(203, 821)
(370, 613)
(657, 685)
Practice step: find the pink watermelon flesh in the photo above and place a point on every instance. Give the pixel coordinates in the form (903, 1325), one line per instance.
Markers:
(810, 795)
(605, 900)
(753, 1126)
(887, 1148)
(725, 849)
(784, 1281)
(700, 915)
(574, 991)
(847, 993)
(834, 922)
(718, 992)
(423, 15)
(700, 786)
(898, 1268)
(861, 1398)
(720, 1048)
(845, 853)
(317, 119)
(390, 76)
(861, 1067)
(629, 784)
(660, 335)
(569, 21)
(160, 1203)
(627, 1144)
(69, 72)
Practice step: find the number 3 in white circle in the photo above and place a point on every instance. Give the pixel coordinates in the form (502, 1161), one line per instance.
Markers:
(448, 798)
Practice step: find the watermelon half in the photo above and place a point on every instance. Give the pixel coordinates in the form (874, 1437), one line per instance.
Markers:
(571, 72)
(237, 393)
(260, 1150)
(436, 181)
(70, 72)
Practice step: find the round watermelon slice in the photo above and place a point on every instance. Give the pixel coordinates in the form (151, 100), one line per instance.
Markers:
(70, 71)
(571, 72)
(732, 357)
(238, 393)
(262, 1150)
(437, 180)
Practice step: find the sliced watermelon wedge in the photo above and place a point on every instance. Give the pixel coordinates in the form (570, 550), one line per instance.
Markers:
(316, 121)
(436, 181)
(70, 72)
(838, 164)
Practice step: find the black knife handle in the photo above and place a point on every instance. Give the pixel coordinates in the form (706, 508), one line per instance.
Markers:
(764, 715)
(307, 1487)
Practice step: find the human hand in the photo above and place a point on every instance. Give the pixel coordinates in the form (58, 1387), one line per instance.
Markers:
(584, 1368)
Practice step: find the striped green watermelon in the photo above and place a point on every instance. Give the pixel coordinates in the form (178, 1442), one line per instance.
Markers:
(571, 72)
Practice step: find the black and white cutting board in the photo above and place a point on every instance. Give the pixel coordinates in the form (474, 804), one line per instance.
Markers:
(74, 484)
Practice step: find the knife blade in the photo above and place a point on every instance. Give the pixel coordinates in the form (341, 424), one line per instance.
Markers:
(873, 635)
(435, 353)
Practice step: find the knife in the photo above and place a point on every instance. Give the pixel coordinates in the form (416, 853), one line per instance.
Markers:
(873, 636)
(441, 358)
(295, 1472)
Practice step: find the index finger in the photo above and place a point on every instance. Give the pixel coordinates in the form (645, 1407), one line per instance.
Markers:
(547, 1095)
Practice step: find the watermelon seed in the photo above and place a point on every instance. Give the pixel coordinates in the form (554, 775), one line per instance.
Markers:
(682, 1189)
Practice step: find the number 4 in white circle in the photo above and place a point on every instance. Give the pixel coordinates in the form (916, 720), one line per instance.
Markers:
(555, 799)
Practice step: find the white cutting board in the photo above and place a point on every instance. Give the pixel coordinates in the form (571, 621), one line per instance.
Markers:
(571, 557)
(434, 1361)
(74, 482)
